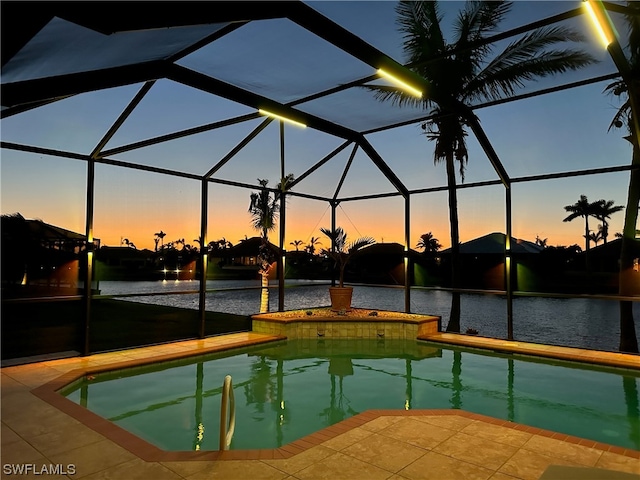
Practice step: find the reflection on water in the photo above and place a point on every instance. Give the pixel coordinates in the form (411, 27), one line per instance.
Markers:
(456, 370)
(578, 322)
(199, 433)
(630, 386)
(291, 389)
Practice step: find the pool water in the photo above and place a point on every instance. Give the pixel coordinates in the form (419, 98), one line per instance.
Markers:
(289, 389)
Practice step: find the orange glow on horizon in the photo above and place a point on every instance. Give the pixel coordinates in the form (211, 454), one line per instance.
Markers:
(382, 233)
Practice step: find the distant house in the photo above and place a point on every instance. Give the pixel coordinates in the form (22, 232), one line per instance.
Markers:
(606, 257)
(604, 267)
(381, 263)
(56, 238)
(124, 263)
(482, 262)
(125, 257)
(493, 244)
(245, 253)
(38, 253)
(241, 260)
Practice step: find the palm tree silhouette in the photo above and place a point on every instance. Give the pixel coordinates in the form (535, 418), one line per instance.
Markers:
(541, 242)
(263, 208)
(311, 247)
(429, 243)
(594, 237)
(583, 208)
(343, 251)
(457, 80)
(159, 237)
(128, 243)
(296, 243)
(628, 118)
(604, 211)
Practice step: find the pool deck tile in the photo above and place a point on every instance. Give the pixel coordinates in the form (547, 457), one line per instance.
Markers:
(610, 359)
(41, 427)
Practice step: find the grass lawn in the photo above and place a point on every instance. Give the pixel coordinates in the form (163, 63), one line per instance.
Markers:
(43, 327)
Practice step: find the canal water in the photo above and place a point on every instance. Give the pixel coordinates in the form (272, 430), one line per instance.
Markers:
(575, 322)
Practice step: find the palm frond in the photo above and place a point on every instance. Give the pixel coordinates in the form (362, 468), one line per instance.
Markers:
(419, 22)
(474, 23)
(263, 209)
(573, 216)
(622, 118)
(360, 243)
(619, 88)
(525, 60)
(583, 208)
(397, 97)
(479, 19)
(338, 237)
(633, 23)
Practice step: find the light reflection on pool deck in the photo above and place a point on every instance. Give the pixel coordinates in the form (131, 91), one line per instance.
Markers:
(40, 426)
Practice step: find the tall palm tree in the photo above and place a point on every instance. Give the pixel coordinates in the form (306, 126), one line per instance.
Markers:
(264, 208)
(585, 209)
(462, 76)
(429, 243)
(604, 211)
(296, 243)
(264, 211)
(628, 118)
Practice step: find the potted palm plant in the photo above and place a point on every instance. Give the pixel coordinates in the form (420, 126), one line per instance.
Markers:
(341, 254)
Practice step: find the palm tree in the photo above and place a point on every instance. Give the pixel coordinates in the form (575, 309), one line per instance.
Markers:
(159, 237)
(583, 208)
(429, 243)
(594, 237)
(541, 242)
(628, 118)
(264, 209)
(604, 211)
(462, 76)
(342, 250)
(311, 247)
(128, 243)
(296, 243)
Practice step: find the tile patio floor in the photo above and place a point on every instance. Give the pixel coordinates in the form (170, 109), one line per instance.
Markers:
(377, 444)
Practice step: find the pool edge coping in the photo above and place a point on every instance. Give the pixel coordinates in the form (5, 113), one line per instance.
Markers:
(49, 392)
(628, 361)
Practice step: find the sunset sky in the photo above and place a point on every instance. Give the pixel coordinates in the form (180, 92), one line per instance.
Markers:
(562, 131)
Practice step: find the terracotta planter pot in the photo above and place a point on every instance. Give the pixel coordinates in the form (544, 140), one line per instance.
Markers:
(340, 298)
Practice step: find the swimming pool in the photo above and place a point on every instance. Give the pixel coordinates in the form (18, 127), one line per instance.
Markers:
(289, 389)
